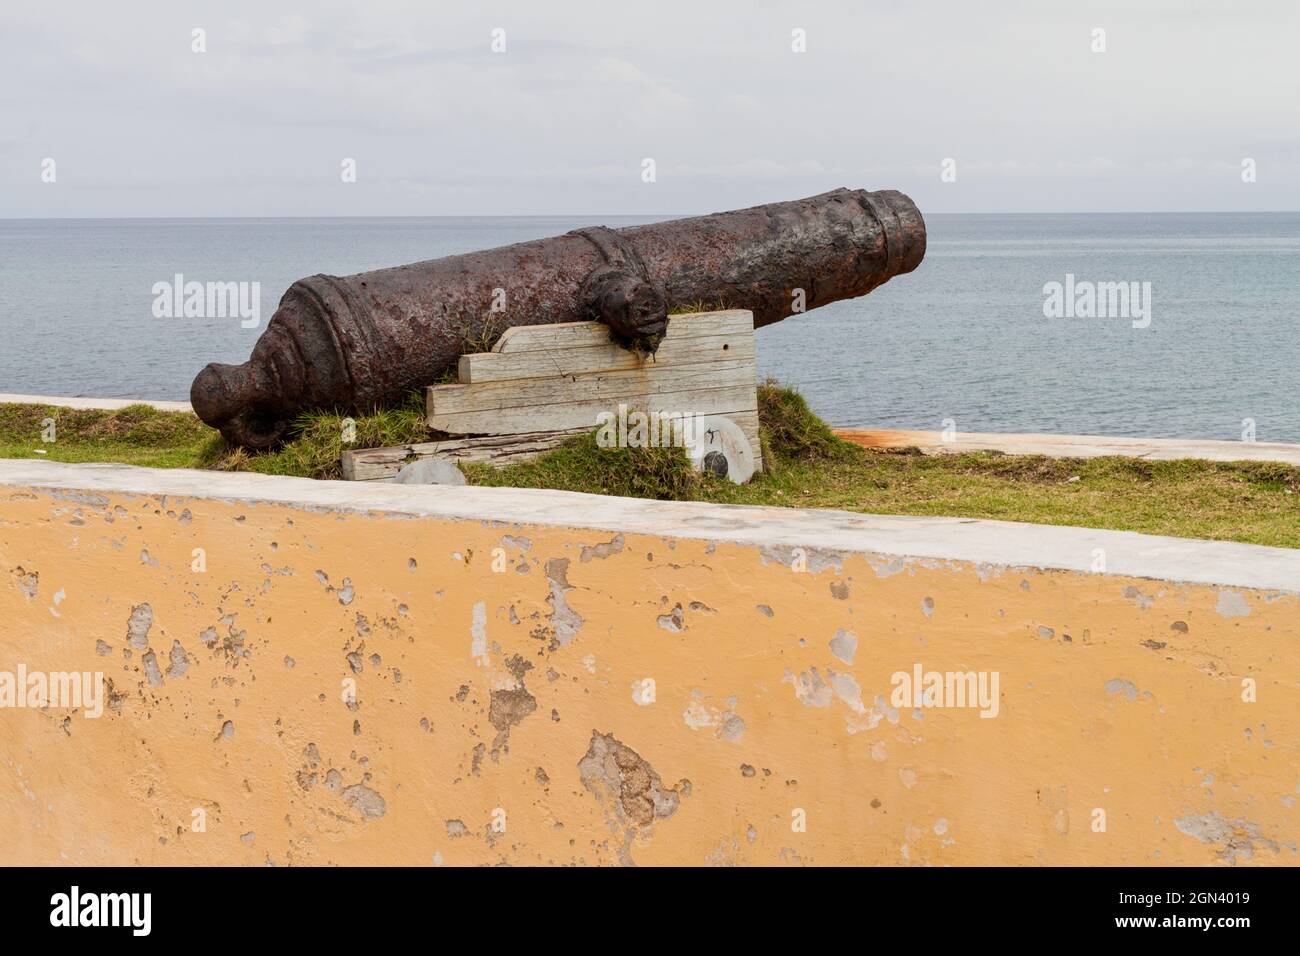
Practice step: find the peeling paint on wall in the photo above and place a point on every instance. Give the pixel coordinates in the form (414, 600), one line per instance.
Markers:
(337, 688)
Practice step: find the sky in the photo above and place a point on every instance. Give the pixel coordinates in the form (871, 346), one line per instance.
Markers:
(966, 105)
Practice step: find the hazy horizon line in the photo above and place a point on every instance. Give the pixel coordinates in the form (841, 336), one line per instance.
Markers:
(649, 215)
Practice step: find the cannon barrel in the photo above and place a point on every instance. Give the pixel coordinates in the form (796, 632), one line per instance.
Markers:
(360, 342)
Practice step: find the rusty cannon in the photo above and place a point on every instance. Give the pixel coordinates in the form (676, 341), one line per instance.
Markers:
(361, 342)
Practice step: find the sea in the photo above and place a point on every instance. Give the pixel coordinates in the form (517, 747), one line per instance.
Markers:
(1207, 345)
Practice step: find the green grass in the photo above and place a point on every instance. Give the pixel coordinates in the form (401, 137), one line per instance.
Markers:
(136, 435)
(807, 467)
(316, 442)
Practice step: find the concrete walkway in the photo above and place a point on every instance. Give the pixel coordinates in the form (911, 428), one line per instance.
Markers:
(1074, 446)
(107, 404)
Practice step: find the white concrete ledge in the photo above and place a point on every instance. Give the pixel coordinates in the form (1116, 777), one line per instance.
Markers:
(104, 404)
(828, 533)
(1074, 446)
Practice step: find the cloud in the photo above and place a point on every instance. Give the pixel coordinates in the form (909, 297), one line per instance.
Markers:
(440, 124)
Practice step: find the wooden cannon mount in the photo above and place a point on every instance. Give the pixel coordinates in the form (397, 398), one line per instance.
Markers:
(543, 384)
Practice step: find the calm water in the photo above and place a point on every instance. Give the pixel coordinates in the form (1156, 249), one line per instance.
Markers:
(963, 337)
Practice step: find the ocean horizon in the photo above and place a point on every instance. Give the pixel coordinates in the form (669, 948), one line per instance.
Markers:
(964, 341)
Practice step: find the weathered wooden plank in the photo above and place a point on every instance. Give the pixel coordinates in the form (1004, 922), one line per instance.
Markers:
(517, 419)
(613, 386)
(543, 363)
(380, 464)
(377, 464)
(568, 335)
(543, 384)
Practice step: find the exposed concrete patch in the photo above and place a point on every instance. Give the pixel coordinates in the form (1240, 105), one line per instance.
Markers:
(887, 567)
(115, 698)
(28, 582)
(178, 661)
(674, 622)
(848, 690)
(516, 542)
(150, 664)
(565, 621)
(725, 723)
(809, 688)
(630, 788)
(367, 802)
(137, 627)
(844, 645)
(1137, 597)
(812, 560)
(1232, 604)
(1236, 839)
(510, 705)
(478, 648)
(601, 551)
(1118, 686)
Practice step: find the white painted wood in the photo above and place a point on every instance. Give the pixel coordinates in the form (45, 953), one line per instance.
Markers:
(545, 363)
(444, 402)
(564, 377)
(504, 419)
(549, 380)
(567, 335)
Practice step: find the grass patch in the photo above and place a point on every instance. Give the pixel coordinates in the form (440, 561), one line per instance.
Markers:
(581, 465)
(135, 435)
(806, 465)
(315, 442)
(693, 307)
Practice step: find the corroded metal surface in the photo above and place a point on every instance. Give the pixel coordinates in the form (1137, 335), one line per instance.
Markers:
(361, 342)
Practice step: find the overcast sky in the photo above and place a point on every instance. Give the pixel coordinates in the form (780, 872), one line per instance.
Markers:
(560, 122)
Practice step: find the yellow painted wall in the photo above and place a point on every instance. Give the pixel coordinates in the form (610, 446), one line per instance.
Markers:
(1117, 694)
